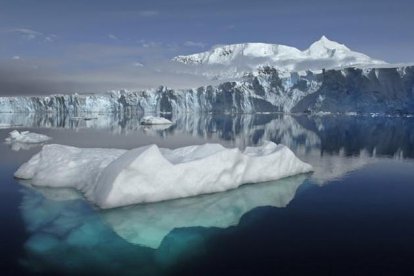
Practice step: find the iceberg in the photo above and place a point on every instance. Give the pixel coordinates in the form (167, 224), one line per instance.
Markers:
(86, 118)
(26, 137)
(151, 120)
(112, 178)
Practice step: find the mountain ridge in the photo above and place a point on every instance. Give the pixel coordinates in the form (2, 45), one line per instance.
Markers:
(234, 60)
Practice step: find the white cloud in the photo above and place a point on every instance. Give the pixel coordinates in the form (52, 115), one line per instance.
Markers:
(230, 27)
(50, 38)
(26, 33)
(29, 34)
(15, 57)
(138, 64)
(190, 43)
(148, 13)
(113, 37)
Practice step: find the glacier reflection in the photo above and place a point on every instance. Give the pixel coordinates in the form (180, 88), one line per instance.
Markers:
(303, 134)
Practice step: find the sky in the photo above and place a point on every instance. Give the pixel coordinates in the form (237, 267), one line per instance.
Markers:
(53, 46)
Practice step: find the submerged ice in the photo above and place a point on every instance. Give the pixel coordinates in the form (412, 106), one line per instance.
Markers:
(112, 178)
(66, 233)
(149, 224)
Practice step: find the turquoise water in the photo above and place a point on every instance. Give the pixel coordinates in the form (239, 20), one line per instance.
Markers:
(354, 214)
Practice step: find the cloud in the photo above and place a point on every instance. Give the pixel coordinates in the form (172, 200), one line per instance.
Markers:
(138, 64)
(26, 33)
(50, 38)
(230, 27)
(148, 13)
(96, 68)
(113, 37)
(190, 43)
(29, 34)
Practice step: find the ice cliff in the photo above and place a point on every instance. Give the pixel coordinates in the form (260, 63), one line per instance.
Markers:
(384, 90)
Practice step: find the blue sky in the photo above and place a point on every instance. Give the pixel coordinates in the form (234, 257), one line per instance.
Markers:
(77, 36)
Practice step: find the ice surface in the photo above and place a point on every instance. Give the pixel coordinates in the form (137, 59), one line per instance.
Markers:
(151, 120)
(26, 137)
(112, 178)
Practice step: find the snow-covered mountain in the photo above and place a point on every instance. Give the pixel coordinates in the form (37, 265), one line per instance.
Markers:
(235, 60)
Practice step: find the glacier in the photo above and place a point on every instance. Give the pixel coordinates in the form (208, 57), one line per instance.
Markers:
(384, 90)
(112, 178)
(263, 91)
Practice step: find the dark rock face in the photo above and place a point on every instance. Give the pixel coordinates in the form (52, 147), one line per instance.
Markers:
(381, 90)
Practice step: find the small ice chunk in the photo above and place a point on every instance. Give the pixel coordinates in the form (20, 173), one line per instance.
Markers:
(26, 137)
(4, 126)
(113, 178)
(85, 118)
(151, 120)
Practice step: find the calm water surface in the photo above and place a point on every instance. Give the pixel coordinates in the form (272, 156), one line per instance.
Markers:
(353, 216)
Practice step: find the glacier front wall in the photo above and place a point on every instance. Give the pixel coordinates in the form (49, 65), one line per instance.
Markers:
(382, 90)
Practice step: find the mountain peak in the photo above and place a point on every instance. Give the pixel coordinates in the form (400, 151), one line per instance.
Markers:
(324, 38)
(324, 45)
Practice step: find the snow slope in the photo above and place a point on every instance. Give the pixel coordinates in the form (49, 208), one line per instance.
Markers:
(235, 60)
(112, 178)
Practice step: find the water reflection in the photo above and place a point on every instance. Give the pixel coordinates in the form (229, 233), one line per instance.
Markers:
(348, 135)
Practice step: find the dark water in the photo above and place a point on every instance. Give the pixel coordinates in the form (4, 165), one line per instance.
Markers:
(353, 216)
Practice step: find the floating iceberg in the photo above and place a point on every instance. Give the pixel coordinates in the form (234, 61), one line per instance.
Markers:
(151, 120)
(26, 137)
(113, 178)
(86, 118)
